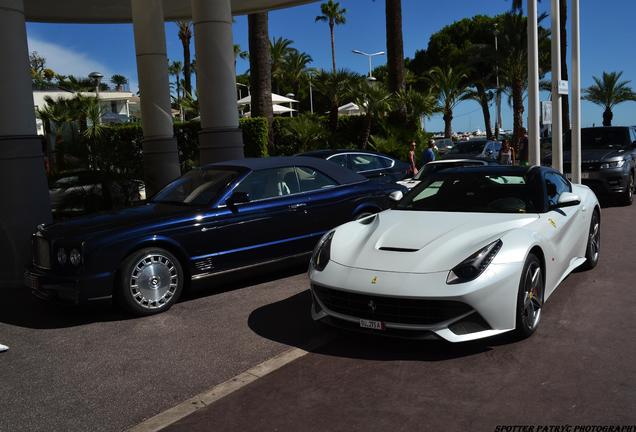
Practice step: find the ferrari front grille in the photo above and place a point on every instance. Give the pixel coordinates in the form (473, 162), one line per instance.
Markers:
(389, 309)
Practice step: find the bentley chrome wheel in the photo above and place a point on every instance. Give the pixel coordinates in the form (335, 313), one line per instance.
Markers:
(533, 296)
(153, 281)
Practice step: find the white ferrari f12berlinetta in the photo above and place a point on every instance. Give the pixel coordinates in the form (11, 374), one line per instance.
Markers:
(468, 253)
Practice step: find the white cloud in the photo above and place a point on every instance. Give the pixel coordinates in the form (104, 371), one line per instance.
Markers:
(65, 61)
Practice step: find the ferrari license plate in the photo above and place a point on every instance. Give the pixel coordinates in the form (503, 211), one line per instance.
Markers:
(375, 325)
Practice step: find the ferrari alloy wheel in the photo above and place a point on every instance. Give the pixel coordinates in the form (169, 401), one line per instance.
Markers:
(151, 282)
(593, 250)
(530, 298)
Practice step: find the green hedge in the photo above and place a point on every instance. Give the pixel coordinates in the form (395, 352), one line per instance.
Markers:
(255, 136)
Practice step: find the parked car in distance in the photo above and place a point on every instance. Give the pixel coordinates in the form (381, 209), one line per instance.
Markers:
(608, 156)
(215, 219)
(469, 253)
(439, 165)
(373, 165)
(475, 148)
(444, 145)
(80, 192)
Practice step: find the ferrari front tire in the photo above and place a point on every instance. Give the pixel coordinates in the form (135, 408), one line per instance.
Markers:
(151, 281)
(593, 249)
(530, 297)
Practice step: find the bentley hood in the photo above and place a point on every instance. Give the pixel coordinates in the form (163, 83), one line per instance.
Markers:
(418, 241)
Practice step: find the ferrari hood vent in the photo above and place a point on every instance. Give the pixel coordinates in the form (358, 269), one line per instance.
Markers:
(397, 249)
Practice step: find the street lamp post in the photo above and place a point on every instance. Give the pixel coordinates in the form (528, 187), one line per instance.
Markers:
(291, 96)
(310, 76)
(369, 56)
(97, 77)
(498, 94)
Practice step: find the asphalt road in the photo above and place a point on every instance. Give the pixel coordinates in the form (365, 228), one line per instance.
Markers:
(94, 369)
(579, 368)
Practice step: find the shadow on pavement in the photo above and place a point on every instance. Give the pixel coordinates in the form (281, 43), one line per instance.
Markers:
(289, 322)
(20, 308)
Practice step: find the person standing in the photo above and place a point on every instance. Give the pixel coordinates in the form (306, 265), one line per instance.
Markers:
(507, 153)
(429, 153)
(412, 164)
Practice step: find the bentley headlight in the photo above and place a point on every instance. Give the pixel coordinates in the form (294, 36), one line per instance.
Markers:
(322, 252)
(614, 164)
(61, 256)
(75, 257)
(474, 265)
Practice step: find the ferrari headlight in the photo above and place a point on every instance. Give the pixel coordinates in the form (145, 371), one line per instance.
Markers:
(62, 257)
(614, 164)
(322, 252)
(474, 265)
(75, 257)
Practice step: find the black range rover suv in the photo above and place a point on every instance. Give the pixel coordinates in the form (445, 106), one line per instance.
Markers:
(608, 160)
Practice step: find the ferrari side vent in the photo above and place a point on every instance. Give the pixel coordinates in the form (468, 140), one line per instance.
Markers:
(395, 249)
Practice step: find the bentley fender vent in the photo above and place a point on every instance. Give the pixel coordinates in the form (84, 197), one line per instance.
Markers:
(395, 249)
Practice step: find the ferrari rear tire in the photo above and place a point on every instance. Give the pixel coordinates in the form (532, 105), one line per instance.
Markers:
(593, 249)
(530, 297)
(151, 281)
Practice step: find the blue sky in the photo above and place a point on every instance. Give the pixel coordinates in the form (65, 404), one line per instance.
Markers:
(606, 42)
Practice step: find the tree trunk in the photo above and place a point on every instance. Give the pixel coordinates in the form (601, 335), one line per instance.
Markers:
(333, 45)
(448, 119)
(565, 101)
(394, 45)
(607, 117)
(367, 132)
(260, 69)
(517, 110)
(187, 66)
(485, 109)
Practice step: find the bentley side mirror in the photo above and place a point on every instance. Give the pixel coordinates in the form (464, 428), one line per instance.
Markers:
(237, 198)
(396, 196)
(568, 199)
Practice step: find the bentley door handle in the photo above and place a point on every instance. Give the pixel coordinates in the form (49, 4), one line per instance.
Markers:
(297, 206)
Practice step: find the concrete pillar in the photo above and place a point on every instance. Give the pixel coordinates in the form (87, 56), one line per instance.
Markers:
(534, 149)
(161, 156)
(576, 92)
(23, 186)
(557, 125)
(220, 137)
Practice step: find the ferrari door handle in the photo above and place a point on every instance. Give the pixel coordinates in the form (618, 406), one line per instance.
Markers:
(297, 206)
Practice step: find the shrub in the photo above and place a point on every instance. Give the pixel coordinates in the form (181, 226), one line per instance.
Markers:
(255, 136)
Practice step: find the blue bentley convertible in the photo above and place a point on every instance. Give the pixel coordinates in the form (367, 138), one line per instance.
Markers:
(216, 219)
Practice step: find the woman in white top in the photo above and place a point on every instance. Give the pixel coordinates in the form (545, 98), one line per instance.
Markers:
(506, 154)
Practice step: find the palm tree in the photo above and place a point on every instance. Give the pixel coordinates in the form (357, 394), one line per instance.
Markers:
(306, 130)
(334, 86)
(416, 104)
(333, 14)
(260, 69)
(608, 92)
(376, 101)
(451, 86)
(239, 54)
(185, 36)
(394, 44)
(120, 81)
(175, 68)
(279, 50)
(295, 71)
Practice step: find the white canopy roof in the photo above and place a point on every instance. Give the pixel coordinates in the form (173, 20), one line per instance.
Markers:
(278, 109)
(276, 99)
(350, 109)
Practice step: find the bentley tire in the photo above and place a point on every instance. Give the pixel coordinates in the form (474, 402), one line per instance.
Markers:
(530, 297)
(593, 249)
(151, 281)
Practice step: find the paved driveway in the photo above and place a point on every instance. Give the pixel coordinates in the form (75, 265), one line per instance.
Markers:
(579, 368)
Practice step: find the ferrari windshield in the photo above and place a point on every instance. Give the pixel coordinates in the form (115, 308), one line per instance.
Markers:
(480, 192)
(198, 187)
